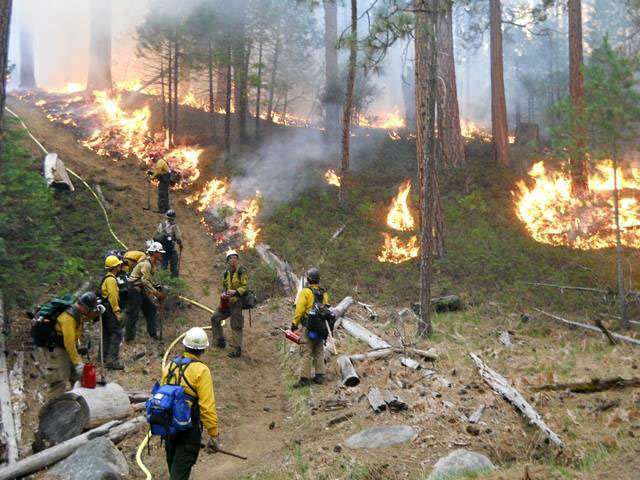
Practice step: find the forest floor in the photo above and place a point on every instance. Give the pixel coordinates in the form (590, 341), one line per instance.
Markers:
(286, 433)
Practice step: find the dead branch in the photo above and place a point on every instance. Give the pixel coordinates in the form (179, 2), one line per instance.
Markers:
(593, 385)
(568, 287)
(604, 329)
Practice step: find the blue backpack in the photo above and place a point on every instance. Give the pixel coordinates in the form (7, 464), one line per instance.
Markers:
(168, 411)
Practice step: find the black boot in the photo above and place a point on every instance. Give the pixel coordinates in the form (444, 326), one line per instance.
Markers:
(222, 343)
(318, 379)
(235, 353)
(303, 382)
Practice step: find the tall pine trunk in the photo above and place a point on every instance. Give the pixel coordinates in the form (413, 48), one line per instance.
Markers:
(240, 66)
(162, 92)
(259, 88)
(176, 82)
(27, 72)
(426, 68)
(221, 88)
(99, 77)
(5, 21)
(498, 101)
(579, 175)
(212, 114)
(622, 303)
(227, 106)
(332, 105)
(450, 141)
(274, 71)
(348, 101)
(170, 91)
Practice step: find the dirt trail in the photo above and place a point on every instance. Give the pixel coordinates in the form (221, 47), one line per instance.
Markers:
(249, 391)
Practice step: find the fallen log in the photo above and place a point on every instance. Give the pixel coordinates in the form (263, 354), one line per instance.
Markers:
(570, 287)
(342, 307)
(340, 419)
(605, 330)
(8, 428)
(361, 333)
(114, 431)
(376, 402)
(73, 412)
(55, 173)
(394, 402)
(350, 377)
(373, 354)
(16, 381)
(288, 279)
(500, 385)
(447, 303)
(337, 233)
(410, 363)
(592, 386)
(571, 323)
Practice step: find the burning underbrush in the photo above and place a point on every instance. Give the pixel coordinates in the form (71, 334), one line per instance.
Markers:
(399, 218)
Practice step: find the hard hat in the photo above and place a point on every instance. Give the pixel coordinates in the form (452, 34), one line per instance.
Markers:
(155, 247)
(112, 261)
(196, 338)
(313, 275)
(232, 252)
(171, 213)
(89, 300)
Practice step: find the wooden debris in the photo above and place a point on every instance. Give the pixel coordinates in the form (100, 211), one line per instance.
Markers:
(607, 406)
(447, 303)
(373, 354)
(500, 385)
(16, 381)
(8, 427)
(475, 416)
(340, 309)
(410, 363)
(349, 375)
(604, 329)
(369, 308)
(337, 233)
(593, 385)
(376, 401)
(361, 333)
(394, 402)
(114, 431)
(135, 397)
(505, 339)
(98, 190)
(426, 354)
(569, 287)
(331, 405)
(55, 173)
(591, 328)
(288, 279)
(340, 419)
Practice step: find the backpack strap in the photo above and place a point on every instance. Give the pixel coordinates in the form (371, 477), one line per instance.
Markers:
(181, 371)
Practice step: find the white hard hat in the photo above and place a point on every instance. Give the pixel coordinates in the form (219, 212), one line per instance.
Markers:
(232, 252)
(196, 338)
(155, 247)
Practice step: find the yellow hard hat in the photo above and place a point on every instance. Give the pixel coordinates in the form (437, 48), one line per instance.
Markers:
(112, 261)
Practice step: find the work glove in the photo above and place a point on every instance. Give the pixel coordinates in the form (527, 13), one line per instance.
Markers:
(213, 445)
(294, 327)
(101, 309)
(79, 368)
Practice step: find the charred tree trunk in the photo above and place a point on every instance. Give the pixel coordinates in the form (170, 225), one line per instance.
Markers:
(450, 140)
(227, 107)
(176, 62)
(622, 304)
(409, 98)
(240, 66)
(169, 92)
(212, 115)
(221, 89)
(259, 88)
(332, 89)
(99, 77)
(272, 86)
(348, 101)
(162, 93)
(498, 103)
(5, 20)
(579, 176)
(27, 73)
(426, 68)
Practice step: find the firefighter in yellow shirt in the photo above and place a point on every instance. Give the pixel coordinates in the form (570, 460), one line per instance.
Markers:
(162, 173)
(62, 361)
(131, 258)
(112, 324)
(194, 376)
(311, 350)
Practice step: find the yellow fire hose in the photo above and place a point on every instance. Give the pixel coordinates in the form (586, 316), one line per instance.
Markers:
(145, 441)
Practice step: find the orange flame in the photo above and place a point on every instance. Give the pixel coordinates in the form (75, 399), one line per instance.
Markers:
(554, 216)
(399, 217)
(387, 120)
(396, 251)
(332, 178)
(471, 130)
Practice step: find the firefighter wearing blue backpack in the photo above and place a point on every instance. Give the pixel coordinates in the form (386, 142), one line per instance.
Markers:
(185, 376)
(311, 314)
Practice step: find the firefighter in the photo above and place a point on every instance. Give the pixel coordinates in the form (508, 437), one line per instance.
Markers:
(61, 360)
(162, 173)
(142, 289)
(130, 259)
(195, 377)
(234, 284)
(112, 324)
(311, 350)
(170, 230)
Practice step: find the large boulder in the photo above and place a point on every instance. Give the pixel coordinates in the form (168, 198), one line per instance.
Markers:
(460, 462)
(378, 437)
(99, 459)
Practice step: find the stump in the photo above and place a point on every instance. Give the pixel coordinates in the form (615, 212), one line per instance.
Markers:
(349, 376)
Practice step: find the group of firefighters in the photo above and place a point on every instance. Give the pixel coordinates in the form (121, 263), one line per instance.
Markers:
(127, 289)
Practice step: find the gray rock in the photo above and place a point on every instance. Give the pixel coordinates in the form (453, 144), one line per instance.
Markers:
(97, 460)
(458, 463)
(378, 437)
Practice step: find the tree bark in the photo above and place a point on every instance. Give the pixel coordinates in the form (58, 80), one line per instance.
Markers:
(426, 68)
(170, 91)
(622, 304)
(579, 175)
(498, 103)
(99, 77)
(259, 88)
(348, 101)
(27, 72)
(5, 20)
(212, 114)
(240, 67)
(332, 107)
(451, 143)
(227, 107)
(176, 49)
(274, 70)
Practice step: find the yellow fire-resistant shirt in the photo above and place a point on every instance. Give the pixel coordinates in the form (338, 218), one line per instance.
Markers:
(111, 292)
(71, 331)
(237, 280)
(305, 303)
(131, 259)
(199, 377)
(161, 168)
(142, 276)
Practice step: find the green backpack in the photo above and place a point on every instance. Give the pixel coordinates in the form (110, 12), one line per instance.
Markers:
(43, 329)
